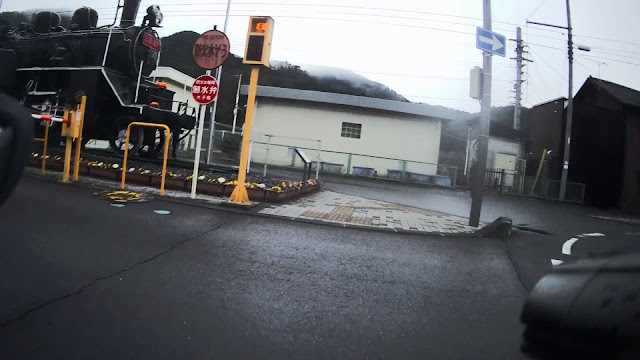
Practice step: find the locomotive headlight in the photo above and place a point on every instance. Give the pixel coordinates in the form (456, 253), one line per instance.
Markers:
(154, 15)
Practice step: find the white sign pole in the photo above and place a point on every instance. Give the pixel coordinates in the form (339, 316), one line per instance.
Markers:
(196, 160)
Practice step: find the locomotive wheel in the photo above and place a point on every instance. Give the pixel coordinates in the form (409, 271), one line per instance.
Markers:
(118, 138)
(154, 147)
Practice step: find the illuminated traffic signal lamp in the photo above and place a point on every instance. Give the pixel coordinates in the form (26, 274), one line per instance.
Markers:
(258, 47)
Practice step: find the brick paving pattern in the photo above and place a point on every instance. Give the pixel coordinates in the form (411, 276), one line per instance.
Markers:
(328, 206)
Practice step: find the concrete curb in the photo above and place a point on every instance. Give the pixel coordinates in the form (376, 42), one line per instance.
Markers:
(255, 212)
(500, 228)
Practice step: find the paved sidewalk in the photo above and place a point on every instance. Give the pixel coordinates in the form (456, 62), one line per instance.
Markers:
(328, 206)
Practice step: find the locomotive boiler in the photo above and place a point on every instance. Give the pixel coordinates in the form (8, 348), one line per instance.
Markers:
(109, 64)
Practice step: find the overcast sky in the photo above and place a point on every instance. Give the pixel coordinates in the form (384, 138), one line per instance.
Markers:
(421, 49)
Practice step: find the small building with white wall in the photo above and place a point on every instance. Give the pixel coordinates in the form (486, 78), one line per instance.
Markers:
(178, 82)
(505, 149)
(352, 131)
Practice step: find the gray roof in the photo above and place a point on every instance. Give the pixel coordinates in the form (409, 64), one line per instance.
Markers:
(624, 94)
(358, 101)
(561, 98)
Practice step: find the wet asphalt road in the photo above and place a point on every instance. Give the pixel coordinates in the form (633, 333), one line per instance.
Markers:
(530, 252)
(559, 219)
(82, 279)
(549, 216)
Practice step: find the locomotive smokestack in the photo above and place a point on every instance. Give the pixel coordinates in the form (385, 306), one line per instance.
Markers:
(129, 13)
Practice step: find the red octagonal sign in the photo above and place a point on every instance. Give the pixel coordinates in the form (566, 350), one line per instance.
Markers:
(205, 89)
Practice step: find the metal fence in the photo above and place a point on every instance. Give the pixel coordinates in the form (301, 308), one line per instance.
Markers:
(511, 182)
(276, 154)
(224, 149)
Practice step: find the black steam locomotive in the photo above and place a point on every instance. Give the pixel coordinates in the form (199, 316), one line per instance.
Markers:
(110, 64)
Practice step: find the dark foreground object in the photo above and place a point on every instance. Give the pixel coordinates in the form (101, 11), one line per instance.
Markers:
(589, 309)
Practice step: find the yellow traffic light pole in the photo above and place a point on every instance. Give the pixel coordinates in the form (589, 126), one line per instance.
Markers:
(239, 194)
(256, 53)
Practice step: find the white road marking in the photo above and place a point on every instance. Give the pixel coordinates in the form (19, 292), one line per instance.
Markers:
(566, 247)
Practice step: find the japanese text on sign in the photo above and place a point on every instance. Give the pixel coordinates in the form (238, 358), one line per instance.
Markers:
(208, 50)
(211, 49)
(151, 42)
(205, 89)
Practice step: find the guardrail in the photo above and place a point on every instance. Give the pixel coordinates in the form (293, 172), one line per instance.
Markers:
(511, 182)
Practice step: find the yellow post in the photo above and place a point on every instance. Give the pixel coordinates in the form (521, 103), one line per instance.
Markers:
(46, 143)
(239, 194)
(67, 151)
(166, 151)
(535, 182)
(166, 156)
(126, 153)
(76, 160)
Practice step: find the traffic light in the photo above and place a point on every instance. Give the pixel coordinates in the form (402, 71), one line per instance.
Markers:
(258, 48)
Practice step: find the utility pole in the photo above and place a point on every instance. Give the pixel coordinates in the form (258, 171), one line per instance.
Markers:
(567, 131)
(215, 101)
(519, 49)
(518, 86)
(477, 186)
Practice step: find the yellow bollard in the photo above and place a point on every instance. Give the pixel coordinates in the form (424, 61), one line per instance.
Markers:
(76, 163)
(535, 182)
(166, 152)
(67, 150)
(46, 143)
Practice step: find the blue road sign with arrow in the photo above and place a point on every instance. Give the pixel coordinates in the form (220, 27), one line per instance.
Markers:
(491, 42)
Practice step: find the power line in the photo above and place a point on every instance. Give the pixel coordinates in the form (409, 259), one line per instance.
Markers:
(536, 9)
(201, 14)
(563, 50)
(606, 39)
(584, 66)
(610, 49)
(546, 46)
(612, 54)
(542, 82)
(379, 9)
(549, 65)
(535, 90)
(350, 7)
(603, 58)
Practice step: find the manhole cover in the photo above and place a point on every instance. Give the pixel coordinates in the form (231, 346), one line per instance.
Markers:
(121, 196)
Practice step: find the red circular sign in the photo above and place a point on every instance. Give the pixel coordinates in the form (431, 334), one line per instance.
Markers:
(205, 89)
(211, 49)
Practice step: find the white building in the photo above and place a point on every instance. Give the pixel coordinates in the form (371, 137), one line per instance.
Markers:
(353, 131)
(178, 82)
(505, 150)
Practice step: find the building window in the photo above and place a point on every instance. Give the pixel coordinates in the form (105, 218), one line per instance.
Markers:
(351, 130)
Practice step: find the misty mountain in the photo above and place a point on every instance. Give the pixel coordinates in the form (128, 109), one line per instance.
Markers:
(372, 88)
(176, 53)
